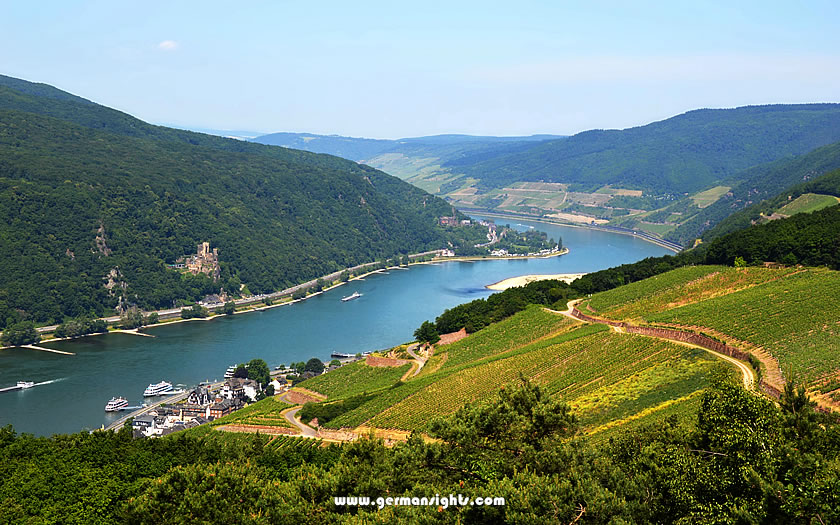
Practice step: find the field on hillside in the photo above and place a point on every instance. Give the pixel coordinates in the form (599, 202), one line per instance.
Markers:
(676, 288)
(683, 411)
(264, 413)
(354, 378)
(522, 328)
(601, 374)
(794, 318)
(710, 196)
(808, 203)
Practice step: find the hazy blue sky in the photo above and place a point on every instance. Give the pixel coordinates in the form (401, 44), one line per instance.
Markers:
(393, 69)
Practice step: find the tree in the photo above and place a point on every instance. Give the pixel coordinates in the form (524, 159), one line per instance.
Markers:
(196, 311)
(740, 262)
(345, 276)
(259, 372)
(241, 371)
(132, 318)
(335, 362)
(520, 429)
(314, 365)
(319, 285)
(230, 308)
(153, 318)
(427, 333)
(269, 390)
(23, 333)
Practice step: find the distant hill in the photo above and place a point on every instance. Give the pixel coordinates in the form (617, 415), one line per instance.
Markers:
(91, 196)
(362, 149)
(682, 154)
(347, 147)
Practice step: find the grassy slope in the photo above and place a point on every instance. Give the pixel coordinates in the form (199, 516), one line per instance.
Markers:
(604, 375)
(808, 203)
(354, 378)
(789, 312)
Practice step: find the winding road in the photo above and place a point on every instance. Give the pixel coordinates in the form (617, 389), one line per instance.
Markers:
(747, 373)
(305, 430)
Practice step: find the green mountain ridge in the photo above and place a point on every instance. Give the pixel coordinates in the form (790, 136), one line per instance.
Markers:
(76, 176)
(685, 153)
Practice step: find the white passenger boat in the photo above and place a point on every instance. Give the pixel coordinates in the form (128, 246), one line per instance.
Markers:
(25, 384)
(158, 389)
(116, 404)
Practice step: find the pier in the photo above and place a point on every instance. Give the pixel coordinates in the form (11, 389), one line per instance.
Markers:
(41, 348)
(174, 398)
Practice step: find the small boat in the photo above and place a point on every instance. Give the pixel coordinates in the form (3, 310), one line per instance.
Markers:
(355, 295)
(159, 389)
(341, 355)
(116, 404)
(25, 384)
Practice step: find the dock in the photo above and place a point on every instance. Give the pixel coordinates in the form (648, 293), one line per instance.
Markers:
(41, 348)
(118, 424)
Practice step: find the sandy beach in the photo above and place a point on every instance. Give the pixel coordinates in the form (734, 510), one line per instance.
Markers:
(522, 280)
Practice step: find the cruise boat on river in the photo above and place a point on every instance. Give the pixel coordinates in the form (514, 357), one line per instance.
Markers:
(159, 389)
(116, 404)
(355, 295)
(230, 371)
(25, 384)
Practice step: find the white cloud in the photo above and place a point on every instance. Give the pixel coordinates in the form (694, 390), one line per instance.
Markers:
(168, 45)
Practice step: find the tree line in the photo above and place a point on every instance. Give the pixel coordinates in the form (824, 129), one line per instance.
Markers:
(739, 458)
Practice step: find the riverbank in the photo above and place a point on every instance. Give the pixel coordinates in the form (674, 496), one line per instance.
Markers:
(522, 280)
(645, 236)
(246, 305)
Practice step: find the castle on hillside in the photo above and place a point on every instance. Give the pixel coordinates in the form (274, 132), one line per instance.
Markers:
(204, 261)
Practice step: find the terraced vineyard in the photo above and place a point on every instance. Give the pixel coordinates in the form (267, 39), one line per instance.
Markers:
(354, 378)
(615, 370)
(683, 410)
(402, 391)
(794, 318)
(265, 413)
(520, 329)
(676, 288)
(287, 442)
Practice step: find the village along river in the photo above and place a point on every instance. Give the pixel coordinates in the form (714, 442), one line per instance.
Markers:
(392, 306)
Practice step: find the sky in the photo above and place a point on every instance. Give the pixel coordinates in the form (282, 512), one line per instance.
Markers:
(401, 69)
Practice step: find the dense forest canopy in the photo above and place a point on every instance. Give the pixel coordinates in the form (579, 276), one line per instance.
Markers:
(741, 459)
(90, 195)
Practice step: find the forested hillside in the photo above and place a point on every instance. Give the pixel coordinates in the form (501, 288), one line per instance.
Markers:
(752, 187)
(828, 184)
(89, 194)
(682, 154)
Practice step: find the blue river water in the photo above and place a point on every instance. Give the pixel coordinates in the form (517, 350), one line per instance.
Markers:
(392, 306)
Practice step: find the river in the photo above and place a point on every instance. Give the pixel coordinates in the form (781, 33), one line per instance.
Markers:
(390, 309)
